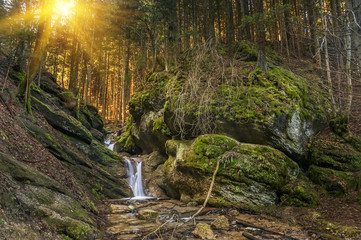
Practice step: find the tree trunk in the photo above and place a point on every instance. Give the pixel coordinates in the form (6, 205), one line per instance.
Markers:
(260, 34)
(348, 68)
(327, 60)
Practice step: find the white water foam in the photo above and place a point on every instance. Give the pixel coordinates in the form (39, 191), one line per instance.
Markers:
(109, 145)
(135, 180)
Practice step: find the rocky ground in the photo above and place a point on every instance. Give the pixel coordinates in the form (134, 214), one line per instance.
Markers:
(166, 219)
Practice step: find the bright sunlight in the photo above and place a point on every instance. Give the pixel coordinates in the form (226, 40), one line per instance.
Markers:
(64, 8)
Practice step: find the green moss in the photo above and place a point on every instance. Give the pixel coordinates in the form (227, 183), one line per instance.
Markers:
(160, 126)
(335, 182)
(263, 95)
(300, 193)
(126, 142)
(241, 162)
(335, 152)
(74, 229)
(340, 125)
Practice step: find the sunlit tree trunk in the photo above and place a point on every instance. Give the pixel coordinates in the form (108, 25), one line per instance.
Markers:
(42, 37)
(90, 69)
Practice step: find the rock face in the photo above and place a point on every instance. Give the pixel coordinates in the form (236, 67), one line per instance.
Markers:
(53, 169)
(335, 163)
(252, 175)
(275, 108)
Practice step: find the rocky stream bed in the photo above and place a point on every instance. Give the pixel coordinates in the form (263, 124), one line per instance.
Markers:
(167, 219)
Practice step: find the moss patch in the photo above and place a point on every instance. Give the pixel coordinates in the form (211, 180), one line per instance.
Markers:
(126, 141)
(335, 182)
(300, 193)
(241, 161)
(333, 151)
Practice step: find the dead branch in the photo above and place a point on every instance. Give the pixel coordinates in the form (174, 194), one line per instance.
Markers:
(209, 192)
(249, 236)
(156, 230)
(247, 224)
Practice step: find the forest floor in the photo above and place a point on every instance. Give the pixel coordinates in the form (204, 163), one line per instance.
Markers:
(152, 219)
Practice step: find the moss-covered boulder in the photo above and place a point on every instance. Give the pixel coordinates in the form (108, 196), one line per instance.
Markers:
(146, 135)
(335, 163)
(249, 174)
(276, 108)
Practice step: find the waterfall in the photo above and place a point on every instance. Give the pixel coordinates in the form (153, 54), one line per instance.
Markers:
(109, 145)
(134, 174)
(135, 179)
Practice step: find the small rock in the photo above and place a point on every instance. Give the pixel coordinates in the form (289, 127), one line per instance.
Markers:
(147, 214)
(233, 212)
(192, 204)
(204, 231)
(185, 198)
(221, 223)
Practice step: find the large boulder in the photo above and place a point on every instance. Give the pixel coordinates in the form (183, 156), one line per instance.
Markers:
(275, 108)
(249, 174)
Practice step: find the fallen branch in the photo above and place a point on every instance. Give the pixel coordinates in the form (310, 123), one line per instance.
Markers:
(156, 230)
(209, 192)
(249, 236)
(247, 224)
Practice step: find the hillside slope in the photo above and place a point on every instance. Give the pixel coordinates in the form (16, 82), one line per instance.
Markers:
(53, 167)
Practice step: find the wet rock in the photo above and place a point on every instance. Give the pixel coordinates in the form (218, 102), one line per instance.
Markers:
(204, 231)
(97, 134)
(147, 214)
(221, 223)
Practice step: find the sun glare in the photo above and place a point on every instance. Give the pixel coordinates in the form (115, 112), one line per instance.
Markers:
(64, 8)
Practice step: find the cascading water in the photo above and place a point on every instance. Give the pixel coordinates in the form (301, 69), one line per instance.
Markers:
(135, 179)
(134, 173)
(109, 145)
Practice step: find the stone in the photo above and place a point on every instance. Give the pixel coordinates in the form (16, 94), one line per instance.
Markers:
(221, 223)
(192, 204)
(203, 231)
(147, 214)
(233, 212)
(248, 174)
(63, 122)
